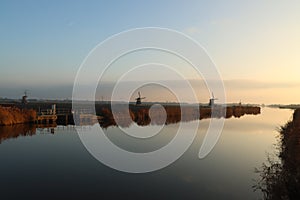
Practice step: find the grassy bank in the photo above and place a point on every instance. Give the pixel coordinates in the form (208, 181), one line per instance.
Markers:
(142, 115)
(14, 115)
(281, 179)
(145, 115)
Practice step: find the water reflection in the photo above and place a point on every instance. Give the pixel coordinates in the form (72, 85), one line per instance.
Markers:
(142, 116)
(23, 130)
(7, 132)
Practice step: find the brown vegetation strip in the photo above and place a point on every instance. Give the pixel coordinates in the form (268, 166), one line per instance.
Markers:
(14, 115)
(173, 114)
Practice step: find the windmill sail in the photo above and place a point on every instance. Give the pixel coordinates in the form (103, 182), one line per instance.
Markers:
(139, 99)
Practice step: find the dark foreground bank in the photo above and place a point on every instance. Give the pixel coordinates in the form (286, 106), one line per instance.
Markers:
(281, 179)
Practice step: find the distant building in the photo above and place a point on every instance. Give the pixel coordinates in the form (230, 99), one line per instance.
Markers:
(212, 100)
(24, 98)
(139, 99)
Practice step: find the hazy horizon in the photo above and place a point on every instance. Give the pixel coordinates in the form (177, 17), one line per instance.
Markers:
(237, 90)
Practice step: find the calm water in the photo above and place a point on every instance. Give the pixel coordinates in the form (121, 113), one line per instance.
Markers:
(47, 166)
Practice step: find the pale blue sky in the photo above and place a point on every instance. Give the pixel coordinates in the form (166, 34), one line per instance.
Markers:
(44, 42)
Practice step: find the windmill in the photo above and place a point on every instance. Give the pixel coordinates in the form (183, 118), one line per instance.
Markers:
(24, 98)
(212, 100)
(139, 99)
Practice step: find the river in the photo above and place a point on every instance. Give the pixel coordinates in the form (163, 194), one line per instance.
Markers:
(53, 163)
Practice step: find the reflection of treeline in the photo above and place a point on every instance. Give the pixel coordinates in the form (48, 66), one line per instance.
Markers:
(7, 132)
(14, 115)
(145, 115)
(281, 179)
(17, 130)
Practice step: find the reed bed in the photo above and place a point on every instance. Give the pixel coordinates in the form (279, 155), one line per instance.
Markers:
(14, 115)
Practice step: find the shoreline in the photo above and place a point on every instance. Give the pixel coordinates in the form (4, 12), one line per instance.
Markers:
(281, 179)
(15, 115)
(126, 114)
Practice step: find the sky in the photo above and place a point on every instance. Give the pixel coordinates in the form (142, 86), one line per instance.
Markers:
(255, 44)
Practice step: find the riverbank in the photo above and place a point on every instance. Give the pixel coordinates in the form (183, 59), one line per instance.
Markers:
(142, 115)
(281, 179)
(145, 115)
(289, 176)
(14, 115)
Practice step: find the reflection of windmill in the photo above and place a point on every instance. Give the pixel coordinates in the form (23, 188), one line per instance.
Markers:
(139, 99)
(24, 98)
(212, 100)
